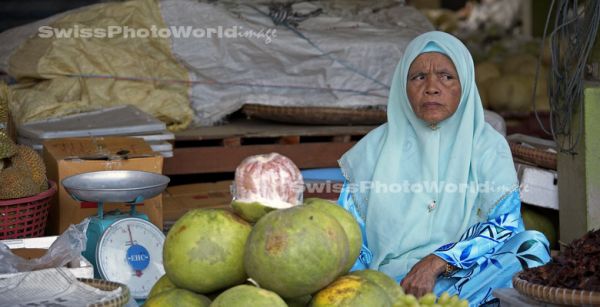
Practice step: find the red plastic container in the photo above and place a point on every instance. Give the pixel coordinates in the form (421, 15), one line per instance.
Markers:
(25, 217)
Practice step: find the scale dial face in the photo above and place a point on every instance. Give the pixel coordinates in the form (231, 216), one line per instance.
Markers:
(130, 252)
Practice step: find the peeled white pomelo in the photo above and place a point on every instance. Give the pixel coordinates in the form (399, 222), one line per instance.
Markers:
(264, 183)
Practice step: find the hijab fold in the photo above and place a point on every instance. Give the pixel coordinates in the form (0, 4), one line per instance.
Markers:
(419, 187)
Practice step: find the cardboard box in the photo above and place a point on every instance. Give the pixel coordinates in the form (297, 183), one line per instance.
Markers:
(72, 156)
(31, 248)
(180, 199)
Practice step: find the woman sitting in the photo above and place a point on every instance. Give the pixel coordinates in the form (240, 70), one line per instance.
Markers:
(435, 189)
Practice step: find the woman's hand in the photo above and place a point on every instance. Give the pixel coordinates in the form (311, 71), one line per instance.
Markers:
(421, 278)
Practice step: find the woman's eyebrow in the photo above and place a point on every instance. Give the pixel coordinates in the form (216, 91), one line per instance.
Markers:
(416, 73)
(444, 71)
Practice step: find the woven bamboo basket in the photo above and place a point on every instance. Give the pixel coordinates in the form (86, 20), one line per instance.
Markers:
(316, 115)
(556, 295)
(536, 156)
(105, 285)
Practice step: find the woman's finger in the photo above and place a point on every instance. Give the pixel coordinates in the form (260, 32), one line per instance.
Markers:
(407, 287)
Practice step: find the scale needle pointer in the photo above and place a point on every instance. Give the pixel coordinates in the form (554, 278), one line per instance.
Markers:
(138, 273)
(130, 236)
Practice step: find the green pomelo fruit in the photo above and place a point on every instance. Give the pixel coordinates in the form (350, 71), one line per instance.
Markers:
(204, 250)
(253, 211)
(510, 93)
(179, 298)
(534, 220)
(245, 295)
(389, 285)
(485, 71)
(351, 291)
(161, 285)
(351, 227)
(296, 251)
(513, 63)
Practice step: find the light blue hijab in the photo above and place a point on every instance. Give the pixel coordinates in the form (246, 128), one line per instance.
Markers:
(393, 172)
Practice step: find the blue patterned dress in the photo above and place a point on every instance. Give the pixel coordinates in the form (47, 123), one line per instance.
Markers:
(486, 256)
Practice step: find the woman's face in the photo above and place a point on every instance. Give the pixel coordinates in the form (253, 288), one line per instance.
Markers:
(433, 87)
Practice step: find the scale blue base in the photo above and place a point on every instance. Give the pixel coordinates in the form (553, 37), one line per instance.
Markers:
(143, 257)
(98, 224)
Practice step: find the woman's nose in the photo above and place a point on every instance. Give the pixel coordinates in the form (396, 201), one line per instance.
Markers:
(432, 88)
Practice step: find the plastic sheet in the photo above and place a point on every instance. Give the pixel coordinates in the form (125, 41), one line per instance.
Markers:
(67, 247)
(341, 58)
(61, 73)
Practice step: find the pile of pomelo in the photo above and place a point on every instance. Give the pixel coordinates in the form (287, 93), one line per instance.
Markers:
(298, 255)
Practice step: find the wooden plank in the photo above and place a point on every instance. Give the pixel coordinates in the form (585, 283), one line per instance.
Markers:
(289, 140)
(198, 160)
(342, 138)
(253, 128)
(579, 175)
(232, 142)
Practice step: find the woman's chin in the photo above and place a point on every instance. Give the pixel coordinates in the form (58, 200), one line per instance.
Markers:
(433, 119)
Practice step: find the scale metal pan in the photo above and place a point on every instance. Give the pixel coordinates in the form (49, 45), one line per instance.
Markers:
(115, 186)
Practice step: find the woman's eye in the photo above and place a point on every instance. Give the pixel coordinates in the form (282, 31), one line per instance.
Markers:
(447, 77)
(418, 77)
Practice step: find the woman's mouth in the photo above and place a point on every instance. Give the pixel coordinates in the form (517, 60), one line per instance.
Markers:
(431, 105)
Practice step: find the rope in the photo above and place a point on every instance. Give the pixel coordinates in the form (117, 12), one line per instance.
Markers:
(221, 83)
(571, 43)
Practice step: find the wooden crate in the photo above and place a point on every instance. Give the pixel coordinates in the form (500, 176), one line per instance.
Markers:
(182, 198)
(221, 148)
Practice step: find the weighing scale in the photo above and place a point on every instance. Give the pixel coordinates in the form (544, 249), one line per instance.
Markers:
(122, 246)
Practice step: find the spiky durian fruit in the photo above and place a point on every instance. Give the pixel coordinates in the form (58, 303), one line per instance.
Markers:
(4, 98)
(27, 159)
(16, 183)
(7, 146)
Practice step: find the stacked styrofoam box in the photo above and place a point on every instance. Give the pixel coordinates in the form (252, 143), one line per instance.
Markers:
(124, 120)
(539, 186)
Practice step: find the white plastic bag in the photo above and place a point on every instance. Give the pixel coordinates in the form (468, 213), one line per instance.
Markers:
(67, 247)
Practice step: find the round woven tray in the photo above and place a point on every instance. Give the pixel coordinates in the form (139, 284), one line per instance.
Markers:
(108, 286)
(536, 156)
(556, 295)
(316, 115)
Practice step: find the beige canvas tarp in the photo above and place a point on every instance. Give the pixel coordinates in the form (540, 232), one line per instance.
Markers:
(67, 75)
